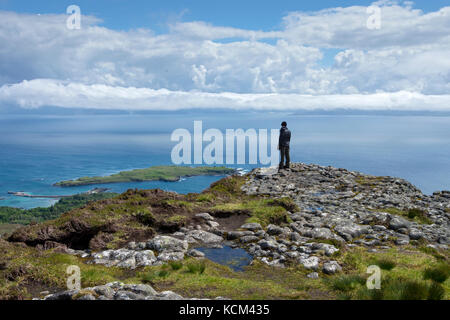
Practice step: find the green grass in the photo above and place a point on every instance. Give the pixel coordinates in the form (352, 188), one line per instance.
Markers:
(347, 283)
(164, 173)
(385, 263)
(263, 211)
(26, 216)
(438, 273)
(176, 265)
(414, 214)
(205, 279)
(436, 292)
(205, 197)
(196, 268)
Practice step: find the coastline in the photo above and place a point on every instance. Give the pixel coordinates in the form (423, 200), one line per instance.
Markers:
(154, 173)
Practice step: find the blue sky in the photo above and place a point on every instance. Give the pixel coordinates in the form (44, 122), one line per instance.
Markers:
(173, 55)
(246, 14)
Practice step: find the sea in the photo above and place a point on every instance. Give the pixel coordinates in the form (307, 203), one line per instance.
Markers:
(38, 149)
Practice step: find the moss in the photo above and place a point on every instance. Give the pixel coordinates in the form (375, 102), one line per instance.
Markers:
(205, 197)
(145, 216)
(284, 202)
(227, 187)
(263, 211)
(414, 214)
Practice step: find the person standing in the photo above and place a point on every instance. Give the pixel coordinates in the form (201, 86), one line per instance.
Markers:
(283, 146)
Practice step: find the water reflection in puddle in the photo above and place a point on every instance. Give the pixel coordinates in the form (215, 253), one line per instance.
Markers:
(236, 259)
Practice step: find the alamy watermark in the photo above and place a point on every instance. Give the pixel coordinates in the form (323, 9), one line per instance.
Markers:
(73, 22)
(233, 143)
(74, 279)
(374, 280)
(374, 20)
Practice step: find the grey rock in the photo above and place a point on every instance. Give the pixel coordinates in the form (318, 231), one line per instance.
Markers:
(87, 297)
(232, 235)
(248, 239)
(205, 237)
(402, 241)
(195, 253)
(310, 263)
(274, 230)
(204, 216)
(251, 226)
(398, 222)
(166, 256)
(331, 267)
(145, 258)
(140, 289)
(166, 243)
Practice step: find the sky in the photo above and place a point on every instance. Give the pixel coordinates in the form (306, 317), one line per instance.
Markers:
(263, 55)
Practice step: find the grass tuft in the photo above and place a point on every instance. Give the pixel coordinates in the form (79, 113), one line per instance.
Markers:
(438, 274)
(176, 265)
(196, 268)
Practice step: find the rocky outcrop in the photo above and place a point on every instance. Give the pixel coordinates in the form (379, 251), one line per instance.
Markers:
(117, 291)
(352, 207)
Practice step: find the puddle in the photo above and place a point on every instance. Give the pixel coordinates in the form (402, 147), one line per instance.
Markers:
(236, 259)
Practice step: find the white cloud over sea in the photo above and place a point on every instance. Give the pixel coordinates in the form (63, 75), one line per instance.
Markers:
(405, 65)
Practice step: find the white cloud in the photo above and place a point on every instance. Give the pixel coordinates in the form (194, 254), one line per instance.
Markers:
(406, 61)
(37, 93)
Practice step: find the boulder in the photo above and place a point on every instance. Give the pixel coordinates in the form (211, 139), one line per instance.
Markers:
(251, 226)
(331, 267)
(166, 243)
(311, 263)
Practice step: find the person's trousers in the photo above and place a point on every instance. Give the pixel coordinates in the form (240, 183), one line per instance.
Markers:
(284, 154)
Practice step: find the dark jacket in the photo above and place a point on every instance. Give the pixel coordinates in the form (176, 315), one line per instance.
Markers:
(285, 137)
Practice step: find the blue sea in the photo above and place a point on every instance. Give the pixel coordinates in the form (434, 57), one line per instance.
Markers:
(37, 150)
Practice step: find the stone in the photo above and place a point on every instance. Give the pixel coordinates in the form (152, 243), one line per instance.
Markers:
(415, 234)
(233, 235)
(145, 258)
(87, 297)
(166, 256)
(127, 295)
(402, 241)
(268, 244)
(129, 263)
(64, 295)
(140, 289)
(274, 230)
(195, 253)
(251, 226)
(166, 295)
(310, 263)
(105, 291)
(166, 243)
(313, 275)
(331, 267)
(205, 236)
(398, 223)
(204, 216)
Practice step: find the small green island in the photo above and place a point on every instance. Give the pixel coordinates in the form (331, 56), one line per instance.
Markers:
(160, 173)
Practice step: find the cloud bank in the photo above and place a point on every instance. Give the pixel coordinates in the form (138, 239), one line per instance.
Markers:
(37, 93)
(327, 59)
